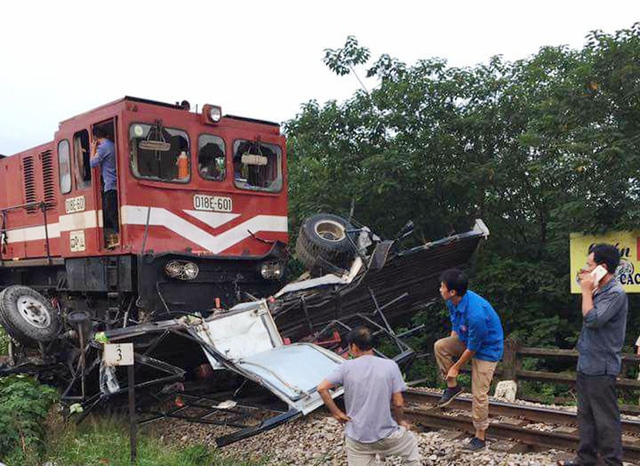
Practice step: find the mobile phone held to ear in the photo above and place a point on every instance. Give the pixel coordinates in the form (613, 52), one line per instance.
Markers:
(597, 274)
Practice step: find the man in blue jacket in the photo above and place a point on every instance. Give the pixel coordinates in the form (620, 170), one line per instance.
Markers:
(476, 336)
(103, 154)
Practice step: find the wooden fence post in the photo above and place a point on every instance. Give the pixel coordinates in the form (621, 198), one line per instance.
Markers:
(510, 359)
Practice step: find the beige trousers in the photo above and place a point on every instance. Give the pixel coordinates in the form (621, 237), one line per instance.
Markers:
(451, 348)
(402, 443)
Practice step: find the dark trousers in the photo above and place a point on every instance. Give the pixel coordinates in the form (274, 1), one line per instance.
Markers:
(598, 420)
(110, 208)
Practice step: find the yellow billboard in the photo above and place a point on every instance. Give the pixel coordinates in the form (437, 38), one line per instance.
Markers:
(627, 243)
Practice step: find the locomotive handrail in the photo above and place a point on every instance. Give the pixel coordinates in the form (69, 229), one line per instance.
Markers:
(3, 229)
(3, 237)
(24, 206)
(43, 207)
(15, 228)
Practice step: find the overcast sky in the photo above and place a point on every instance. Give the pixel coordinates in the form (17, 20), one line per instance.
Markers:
(259, 59)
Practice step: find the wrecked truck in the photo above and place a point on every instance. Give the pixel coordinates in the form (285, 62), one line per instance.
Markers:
(245, 377)
(354, 273)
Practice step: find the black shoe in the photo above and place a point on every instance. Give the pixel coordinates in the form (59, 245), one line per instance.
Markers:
(475, 444)
(449, 395)
(573, 462)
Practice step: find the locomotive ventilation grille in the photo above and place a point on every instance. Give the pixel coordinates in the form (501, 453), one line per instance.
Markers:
(47, 179)
(29, 183)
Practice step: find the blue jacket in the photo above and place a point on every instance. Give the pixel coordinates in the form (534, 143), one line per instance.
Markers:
(106, 157)
(478, 326)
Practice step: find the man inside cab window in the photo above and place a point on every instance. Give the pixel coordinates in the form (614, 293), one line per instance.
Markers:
(103, 154)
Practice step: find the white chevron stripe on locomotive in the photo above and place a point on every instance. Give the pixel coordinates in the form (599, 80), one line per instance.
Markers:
(158, 216)
(213, 219)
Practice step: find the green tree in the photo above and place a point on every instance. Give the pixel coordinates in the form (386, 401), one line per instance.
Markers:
(538, 148)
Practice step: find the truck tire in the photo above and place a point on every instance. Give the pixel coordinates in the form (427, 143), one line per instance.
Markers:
(323, 236)
(27, 316)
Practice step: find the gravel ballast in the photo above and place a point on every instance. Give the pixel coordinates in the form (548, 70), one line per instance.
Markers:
(319, 440)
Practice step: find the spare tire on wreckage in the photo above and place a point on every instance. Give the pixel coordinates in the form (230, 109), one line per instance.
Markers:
(323, 238)
(27, 316)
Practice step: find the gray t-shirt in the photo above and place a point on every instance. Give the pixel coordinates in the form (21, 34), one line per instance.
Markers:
(369, 383)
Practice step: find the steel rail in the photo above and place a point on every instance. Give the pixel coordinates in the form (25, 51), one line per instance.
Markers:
(435, 419)
(503, 408)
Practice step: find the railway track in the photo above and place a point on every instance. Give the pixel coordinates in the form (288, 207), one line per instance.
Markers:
(514, 422)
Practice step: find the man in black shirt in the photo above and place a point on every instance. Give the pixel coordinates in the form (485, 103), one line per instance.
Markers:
(604, 313)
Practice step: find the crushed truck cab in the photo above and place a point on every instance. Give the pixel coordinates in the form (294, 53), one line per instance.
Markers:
(245, 352)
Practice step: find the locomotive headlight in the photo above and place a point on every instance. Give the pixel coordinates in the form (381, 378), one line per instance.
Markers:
(271, 270)
(211, 114)
(190, 271)
(215, 113)
(173, 269)
(182, 270)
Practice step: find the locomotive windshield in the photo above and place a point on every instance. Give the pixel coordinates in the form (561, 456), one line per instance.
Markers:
(159, 153)
(257, 166)
(211, 158)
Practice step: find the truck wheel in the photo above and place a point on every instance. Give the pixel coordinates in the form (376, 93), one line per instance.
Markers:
(324, 236)
(27, 316)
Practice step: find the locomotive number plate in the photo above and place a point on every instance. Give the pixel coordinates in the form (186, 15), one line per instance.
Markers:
(75, 204)
(76, 241)
(212, 203)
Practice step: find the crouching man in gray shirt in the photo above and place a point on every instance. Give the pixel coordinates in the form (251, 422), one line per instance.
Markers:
(372, 387)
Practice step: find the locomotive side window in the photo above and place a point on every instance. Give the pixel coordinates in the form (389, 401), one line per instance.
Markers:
(82, 169)
(64, 164)
(211, 158)
(159, 153)
(257, 166)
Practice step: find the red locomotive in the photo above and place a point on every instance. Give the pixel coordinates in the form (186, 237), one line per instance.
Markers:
(202, 215)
